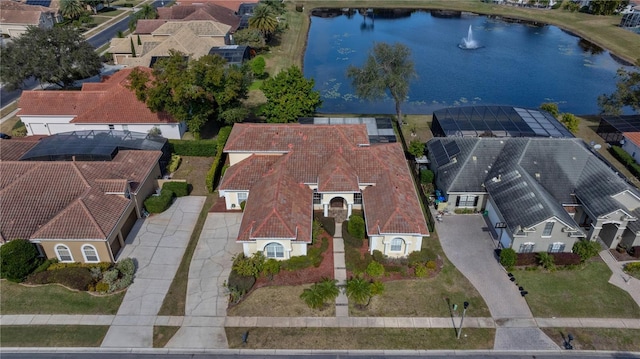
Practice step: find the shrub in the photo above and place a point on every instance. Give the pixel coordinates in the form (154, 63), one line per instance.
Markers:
(327, 223)
(313, 297)
(586, 249)
(45, 265)
(297, 262)
(200, 148)
(96, 273)
(218, 161)
(421, 271)
(271, 267)
(242, 205)
(257, 66)
(420, 257)
(126, 267)
(18, 258)
(239, 282)
(159, 204)
(19, 129)
(633, 269)
(508, 258)
(378, 256)
(180, 189)
(431, 265)
(546, 261)
(110, 277)
(174, 163)
(349, 239)
(356, 227)
(248, 266)
(375, 269)
(102, 287)
(426, 176)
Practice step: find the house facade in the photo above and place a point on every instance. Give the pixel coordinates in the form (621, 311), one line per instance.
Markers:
(631, 144)
(108, 105)
(538, 194)
(77, 211)
(281, 174)
(16, 17)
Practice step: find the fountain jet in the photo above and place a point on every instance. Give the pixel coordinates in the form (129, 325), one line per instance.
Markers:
(468, 43)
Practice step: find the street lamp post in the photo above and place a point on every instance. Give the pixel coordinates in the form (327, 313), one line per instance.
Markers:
(464, 310)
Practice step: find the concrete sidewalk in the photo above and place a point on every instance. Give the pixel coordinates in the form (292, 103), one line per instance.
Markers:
(340, 272)
(157, 244)
(621, 279)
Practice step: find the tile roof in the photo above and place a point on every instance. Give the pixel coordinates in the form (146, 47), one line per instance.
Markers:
(199, 11)
(634, 137)
(12, 150)
(337, 158)
(147, 26)
(229, 4)
(95, 103)
(67, 200)
(12, 12)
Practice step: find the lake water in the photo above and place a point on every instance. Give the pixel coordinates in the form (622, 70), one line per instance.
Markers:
(516, 65)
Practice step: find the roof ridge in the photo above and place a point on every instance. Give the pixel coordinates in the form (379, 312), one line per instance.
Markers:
(88, 212)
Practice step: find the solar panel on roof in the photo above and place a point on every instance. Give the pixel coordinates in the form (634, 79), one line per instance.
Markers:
(452, 148)
(440, 154)
(45, 3)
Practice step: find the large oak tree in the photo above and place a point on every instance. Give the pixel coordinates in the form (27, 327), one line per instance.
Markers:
(289, 96)
(387, 68)
(58, 56)
(194, 91)
(627, 94)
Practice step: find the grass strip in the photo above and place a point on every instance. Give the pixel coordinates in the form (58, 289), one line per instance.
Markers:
(162, 334)
(52, 335)
(583, 292)
(359, 338)
(175, 300)
(54, 299)
(616, 339)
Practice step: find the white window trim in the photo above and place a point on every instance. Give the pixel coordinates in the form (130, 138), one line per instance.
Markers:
(242, 200)
(58, 253)
(275, 245)
(391, 245)
(550, 232)
(559, 247)
(85, 256)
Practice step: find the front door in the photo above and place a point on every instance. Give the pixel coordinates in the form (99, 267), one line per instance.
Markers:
(337, 203)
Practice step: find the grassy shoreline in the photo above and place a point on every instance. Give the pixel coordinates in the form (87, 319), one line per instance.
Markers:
(600, 30)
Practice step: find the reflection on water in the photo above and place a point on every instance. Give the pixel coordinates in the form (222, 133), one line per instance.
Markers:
(519, 64)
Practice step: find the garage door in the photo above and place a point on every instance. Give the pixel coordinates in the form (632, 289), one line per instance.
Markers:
(39, 129)
(128, 224)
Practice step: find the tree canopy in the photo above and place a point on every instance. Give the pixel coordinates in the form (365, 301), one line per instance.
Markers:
(71, 9)
(289, 96)
(627, 94)
(387, 68)
(58, 56)
(264, 20)
(194, 91)
(250, 37)
(571, 121)
(550, 107)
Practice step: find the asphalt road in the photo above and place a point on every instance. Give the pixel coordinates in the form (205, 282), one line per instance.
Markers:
(96, 41)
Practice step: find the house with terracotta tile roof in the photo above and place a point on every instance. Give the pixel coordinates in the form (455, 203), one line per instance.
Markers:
(15, 17)
(108, 105)
(285, 172)
(75, 211)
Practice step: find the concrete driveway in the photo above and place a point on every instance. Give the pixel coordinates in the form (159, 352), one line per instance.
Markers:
(207, 298)
(471, 250)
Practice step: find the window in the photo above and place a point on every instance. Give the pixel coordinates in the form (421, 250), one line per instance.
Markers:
(90, 254)
(63, 253)
(467, 201)
(274, 250)
(556, 247)
(527, 247)
(125, 127)
(317, 197)
(242, 197)
(112, 127)
(357, 198)
(548, 228)
(396, 244)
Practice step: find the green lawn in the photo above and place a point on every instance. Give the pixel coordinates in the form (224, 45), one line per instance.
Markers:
(54, 299)
(583, 292)
(359, 338)
(598, 338)
(52, 335)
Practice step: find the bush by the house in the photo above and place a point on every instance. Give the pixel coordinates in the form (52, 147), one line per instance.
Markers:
(198, 148)
(45, 265)
(218, 161)
(426, 176)
(375, 269)
(586, 249)
(174, 163)
(546, 261)
(239, 282)
(633, 269)
(420, 270)
(18, 258)
(327, 223)
(420, 257)
(19, 129)
(180, 189)
(120, 277)
(356, 226)
(55, 265)
(626, 159)
(526, 259)
(248, 266)
(378, 256)
(349, 239)
(159, 204)
(508, 258)
(313, 258)
(271, 267)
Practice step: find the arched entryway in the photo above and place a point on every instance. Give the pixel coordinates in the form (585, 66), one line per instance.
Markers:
(608, 234)
(337, 202)
(338, 209)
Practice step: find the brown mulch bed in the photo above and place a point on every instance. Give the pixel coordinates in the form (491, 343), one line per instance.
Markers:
(303, 276)
(622, 257)
(221, 206)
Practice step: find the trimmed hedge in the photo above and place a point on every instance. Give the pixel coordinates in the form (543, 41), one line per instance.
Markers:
(350, 240)
(327, 223)
(215, 172)
(159, 204)
(626, 159)
(180, 189)
(559, 259)
(356, 226)
(199, 148)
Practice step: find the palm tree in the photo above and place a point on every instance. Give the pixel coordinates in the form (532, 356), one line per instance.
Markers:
(359, 290)
(312, 297)
(328, 289)
(263, 20)
(71, 9)
(147, 12)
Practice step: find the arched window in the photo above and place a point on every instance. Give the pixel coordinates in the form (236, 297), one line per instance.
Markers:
(274, 250)
(90, 254)
(63, 253)
(396, 244)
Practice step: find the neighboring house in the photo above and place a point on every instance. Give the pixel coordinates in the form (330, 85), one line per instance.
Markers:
(234, 5)
(233, 54)
(542, 194)
(75, 211)
(613, 128)
(286, 172)
(108, 105)
(15, 17)
(631, 144)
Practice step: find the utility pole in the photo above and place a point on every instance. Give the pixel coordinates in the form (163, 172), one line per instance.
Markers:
(464, 310)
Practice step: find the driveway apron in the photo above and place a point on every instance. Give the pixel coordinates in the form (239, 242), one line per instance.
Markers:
(207, 298)
(471, 250)
(156, 244)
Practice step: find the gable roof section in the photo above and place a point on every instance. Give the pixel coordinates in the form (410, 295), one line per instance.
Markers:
(278, 207)
(66, 200)
(148, 26)
(207, 11)
(110, 101)
(12, 12)
(337, 175)
(243, 175)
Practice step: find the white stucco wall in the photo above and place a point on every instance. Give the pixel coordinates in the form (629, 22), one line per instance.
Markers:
(383, 244)
(231, 199)
(632, 149)
(290, 248)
